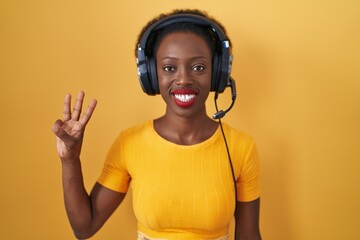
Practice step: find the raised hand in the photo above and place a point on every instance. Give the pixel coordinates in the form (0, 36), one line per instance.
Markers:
(70, 131)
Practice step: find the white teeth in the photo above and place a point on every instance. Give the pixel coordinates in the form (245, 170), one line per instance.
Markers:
(184, 97)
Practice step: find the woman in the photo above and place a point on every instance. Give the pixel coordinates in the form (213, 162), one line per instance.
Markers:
(181, 170)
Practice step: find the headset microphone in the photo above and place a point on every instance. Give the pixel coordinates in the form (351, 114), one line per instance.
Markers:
(220, 114)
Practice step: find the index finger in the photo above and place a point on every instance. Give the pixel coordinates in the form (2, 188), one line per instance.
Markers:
(67, 111)
(88, 113)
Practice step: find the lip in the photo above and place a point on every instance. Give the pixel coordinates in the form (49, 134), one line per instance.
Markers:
(180, 101)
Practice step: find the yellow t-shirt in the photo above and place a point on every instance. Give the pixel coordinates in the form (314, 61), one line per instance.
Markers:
(182, 192)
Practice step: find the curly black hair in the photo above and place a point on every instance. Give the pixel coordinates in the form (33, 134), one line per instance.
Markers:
(154, 40)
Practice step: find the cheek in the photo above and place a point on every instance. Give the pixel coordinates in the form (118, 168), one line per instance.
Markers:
(163, 81)
(160, 78)
(164, 85)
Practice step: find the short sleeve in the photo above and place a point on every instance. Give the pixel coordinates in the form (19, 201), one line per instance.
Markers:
(248, 182)
(114, 174)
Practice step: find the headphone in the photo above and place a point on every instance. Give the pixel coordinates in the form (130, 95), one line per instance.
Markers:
(222, 59)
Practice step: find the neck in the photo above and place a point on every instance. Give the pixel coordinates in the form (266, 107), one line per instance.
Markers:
(185, 130)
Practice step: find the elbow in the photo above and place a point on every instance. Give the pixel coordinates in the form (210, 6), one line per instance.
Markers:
(83, 229)
(81, 234)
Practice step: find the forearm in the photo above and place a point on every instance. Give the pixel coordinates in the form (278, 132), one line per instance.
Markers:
(248, 236)
(243, 233)
(247, 220)
(77, 200)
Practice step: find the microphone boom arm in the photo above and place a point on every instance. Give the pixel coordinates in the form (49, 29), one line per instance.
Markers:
(221, 113)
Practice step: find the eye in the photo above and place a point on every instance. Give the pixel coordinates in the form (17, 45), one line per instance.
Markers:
(198, 68)
(168, 68)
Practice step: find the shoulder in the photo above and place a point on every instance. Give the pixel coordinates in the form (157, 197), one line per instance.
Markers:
(236, 135)
(138, 128)
(135, 132)
(241, 144)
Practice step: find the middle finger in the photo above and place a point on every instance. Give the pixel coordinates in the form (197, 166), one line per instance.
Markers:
(78, 106)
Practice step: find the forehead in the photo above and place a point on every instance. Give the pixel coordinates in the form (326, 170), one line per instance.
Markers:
(183, 44)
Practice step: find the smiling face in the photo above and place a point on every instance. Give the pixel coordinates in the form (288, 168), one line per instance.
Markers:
(184, 64)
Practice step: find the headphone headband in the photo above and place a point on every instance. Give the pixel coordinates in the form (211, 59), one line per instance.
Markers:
(221, 63)
(184, 18)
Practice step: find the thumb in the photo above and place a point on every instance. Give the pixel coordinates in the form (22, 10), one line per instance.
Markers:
(59, 132)
(62, 135)
(57, 125)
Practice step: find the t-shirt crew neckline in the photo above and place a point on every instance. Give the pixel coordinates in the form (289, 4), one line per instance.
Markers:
(159, 138)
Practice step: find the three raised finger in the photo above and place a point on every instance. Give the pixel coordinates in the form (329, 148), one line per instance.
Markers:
(75, 114)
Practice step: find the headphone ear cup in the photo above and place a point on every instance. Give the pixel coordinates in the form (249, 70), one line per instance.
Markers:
(224, 70)
(215, 74)
(143, 72)
(153, 75)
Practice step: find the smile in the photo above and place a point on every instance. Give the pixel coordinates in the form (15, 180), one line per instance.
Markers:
(184, 97)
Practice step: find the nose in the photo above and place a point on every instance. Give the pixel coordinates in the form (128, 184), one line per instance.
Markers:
(183, 77)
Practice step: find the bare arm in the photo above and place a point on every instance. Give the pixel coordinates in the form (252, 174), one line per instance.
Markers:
(86, 213)
(247, 220)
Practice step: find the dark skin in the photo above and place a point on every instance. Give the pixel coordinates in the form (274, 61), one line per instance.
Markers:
(247, 220)
(86, 213)
(183, 61)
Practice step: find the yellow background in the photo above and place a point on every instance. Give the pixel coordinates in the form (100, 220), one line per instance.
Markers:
(297, 67)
